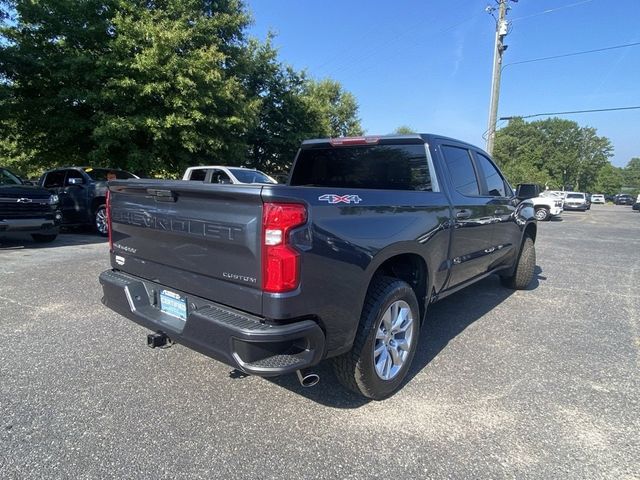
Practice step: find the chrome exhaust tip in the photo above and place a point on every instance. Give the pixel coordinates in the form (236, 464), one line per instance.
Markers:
(307, 379)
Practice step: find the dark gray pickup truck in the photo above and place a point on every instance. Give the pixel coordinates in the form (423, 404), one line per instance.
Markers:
(341, 263)
(28, 209)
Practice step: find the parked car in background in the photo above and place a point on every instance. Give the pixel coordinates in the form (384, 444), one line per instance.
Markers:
(82, 192)
(222, 174)
(597, 198)
(548, 204)
(576, 201)
(624, 199)
(27, 209)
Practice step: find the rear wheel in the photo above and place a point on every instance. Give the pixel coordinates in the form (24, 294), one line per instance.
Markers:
(542, 214)
(523, 273)
(385, 342)
(42, 238)
(100, 221)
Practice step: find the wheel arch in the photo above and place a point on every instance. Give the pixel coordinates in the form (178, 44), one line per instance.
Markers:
(531, 230)
(409, 267)
(96, 202)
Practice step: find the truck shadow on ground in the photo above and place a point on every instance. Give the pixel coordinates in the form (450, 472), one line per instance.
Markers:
(445, 320)
(67, 237)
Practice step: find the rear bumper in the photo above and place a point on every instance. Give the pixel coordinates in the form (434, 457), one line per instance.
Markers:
(29, 225)
(235, 338)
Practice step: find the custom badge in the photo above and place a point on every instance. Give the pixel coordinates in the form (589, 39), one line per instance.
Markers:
(332, 198)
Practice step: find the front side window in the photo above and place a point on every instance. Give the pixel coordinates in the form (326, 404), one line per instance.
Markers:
(460, 166)
(495, 183)
(384, 167)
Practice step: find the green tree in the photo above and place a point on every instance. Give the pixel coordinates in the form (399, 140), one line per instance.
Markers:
(174, 97)
(631, 174)
(292, 107)
(336, 109)
(404, 130)
(154, 86)
(553, 152)
(609, 180)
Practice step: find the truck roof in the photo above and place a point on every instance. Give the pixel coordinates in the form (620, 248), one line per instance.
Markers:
(379, 140)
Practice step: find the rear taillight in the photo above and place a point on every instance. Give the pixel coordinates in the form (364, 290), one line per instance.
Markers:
(109, 220)
(280, 262)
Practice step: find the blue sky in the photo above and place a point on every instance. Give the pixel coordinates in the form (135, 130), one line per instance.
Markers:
(427, 64)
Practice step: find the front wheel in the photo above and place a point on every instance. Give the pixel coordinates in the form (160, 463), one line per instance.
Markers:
(385, 341)
(100, 221)
(542, 214)
(525, 266)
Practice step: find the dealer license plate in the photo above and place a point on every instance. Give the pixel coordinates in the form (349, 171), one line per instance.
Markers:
(173, 304)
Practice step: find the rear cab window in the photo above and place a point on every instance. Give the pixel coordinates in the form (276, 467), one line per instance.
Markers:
(383, 167)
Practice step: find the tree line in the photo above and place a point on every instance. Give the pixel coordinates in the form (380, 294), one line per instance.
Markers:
(153, 86)
(560, 154)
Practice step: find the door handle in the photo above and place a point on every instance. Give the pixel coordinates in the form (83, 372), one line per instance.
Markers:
(463, 214)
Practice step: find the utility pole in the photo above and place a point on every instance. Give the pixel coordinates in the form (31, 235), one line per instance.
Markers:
(502, 28)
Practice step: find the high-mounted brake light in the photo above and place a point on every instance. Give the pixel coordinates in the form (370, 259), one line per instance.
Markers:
(108, 212)
(280, 262)
(336, 142)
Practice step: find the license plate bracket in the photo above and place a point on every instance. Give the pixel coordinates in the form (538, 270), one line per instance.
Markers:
(173, 304)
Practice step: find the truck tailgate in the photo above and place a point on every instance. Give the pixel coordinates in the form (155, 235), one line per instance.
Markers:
(198, 238)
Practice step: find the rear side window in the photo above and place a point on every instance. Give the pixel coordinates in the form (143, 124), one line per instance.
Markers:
(198, 175)
(460, 167)
(495, 183)
(385, 167)
(218, 176)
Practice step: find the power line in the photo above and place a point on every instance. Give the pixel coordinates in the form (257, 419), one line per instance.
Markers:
(570, 112)
(584, 52)
(551, 10)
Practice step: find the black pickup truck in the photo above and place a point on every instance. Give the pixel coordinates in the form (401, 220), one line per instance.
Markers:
(341, 263)
(27, 209)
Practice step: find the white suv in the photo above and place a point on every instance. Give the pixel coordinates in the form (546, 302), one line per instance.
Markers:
(576, 201)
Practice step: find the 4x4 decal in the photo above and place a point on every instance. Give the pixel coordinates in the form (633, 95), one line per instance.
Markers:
(332, 198)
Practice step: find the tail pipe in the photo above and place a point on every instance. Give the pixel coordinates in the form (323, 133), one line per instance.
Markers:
(307, 378)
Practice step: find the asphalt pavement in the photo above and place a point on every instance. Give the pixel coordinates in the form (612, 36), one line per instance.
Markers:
(542, 383)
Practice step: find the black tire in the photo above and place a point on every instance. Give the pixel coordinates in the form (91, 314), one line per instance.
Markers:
(100, 224)
(523, 273)
(542, 214)
(42, 238)
(356, 369)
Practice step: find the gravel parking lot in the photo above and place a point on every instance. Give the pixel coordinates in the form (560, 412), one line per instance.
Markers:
(542, 383)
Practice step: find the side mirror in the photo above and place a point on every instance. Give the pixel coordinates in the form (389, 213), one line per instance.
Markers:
(75, 181)
(527, 190)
